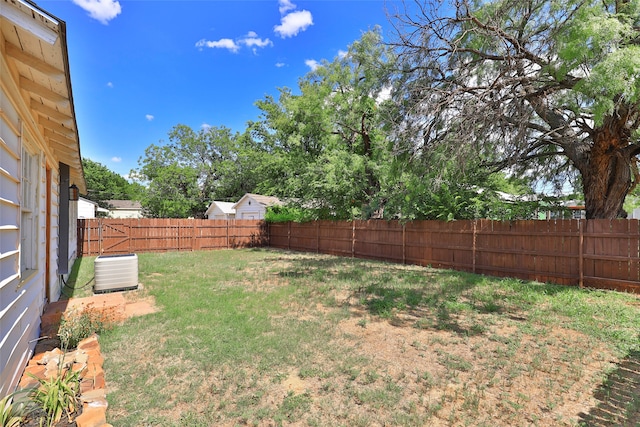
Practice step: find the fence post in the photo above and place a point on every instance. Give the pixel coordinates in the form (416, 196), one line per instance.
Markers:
(473, 251)
(289, 235)
(194, 239)
(100, 237)
(317, 236)
(404, 244)
(581, 250)
(353, 238)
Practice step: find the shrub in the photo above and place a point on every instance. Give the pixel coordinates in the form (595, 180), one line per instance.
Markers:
(287, 213)
(78, 325)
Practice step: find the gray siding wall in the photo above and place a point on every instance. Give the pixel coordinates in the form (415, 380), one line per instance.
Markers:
(21, 295)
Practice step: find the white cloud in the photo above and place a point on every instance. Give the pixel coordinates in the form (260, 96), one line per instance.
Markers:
(100, 10)
(280, 64)
(116, 159)
(110, 85)
(312, 63)
(252, 40)
(286, 6)
(149, 117)
(342, 53)
(219, 44)
(205, 127)
(293, 23)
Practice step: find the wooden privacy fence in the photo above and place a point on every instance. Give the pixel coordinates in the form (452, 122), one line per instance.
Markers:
(594, 253)
(107, 236)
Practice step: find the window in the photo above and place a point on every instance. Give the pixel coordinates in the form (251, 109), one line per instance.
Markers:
(29, 212)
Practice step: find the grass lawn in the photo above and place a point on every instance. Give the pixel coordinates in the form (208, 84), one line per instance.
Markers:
(264, 337)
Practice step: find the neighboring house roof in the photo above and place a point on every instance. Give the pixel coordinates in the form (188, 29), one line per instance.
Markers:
(225, 207)
(124, 204)
(265, 201)
(36, 48)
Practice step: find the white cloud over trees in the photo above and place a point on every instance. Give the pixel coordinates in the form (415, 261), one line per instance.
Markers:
(293, 23)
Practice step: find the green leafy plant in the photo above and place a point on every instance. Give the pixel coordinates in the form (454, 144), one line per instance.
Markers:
(288, 213)
(78, 325)
(12, 412)
(57, 395)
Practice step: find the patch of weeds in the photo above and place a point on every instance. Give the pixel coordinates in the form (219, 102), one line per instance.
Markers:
(490, 307)
(477, 329)
(377, 397)
(391, 386)
(471, 399)
(382, 300)
(330, 301)
(352, 373)
(455, 362)
(417, 345)
(370, 377)
(437, 340)
(328, 387)
(191, 419)
(456, 306)
(427, 379)
(249, 400)
(423, 323)
(293, 406)
(311, 373)
(319, 275)
(413, 297)
(382, 307)
(77, 325)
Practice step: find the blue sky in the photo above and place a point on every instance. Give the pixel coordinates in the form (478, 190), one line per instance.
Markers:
(138, 68)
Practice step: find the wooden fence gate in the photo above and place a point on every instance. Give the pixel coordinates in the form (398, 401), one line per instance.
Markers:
(110, 236)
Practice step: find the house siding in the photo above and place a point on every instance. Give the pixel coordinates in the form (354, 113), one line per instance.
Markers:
(53, 281)
(125, 213)
(86, 209)
(249, 208)
(21, 296)
(12, 310)
(24, 294)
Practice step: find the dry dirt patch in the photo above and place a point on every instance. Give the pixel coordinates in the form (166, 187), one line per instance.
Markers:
(492, 378)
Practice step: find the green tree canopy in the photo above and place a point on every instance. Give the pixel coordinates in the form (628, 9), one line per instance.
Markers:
(543, 88)
(326, 144)
(104, 184)
(193, 169)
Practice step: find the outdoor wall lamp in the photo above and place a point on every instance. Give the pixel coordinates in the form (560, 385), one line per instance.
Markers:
(73, 193)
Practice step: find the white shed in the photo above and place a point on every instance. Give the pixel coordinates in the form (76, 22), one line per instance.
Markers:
(254, 206)
(124, 209)
(220, 210)
(86, 208)
(40, 163)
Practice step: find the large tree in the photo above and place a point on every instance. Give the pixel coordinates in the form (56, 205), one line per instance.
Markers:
(326, 141)
(196, 167)
(104, 184)
(546, 88)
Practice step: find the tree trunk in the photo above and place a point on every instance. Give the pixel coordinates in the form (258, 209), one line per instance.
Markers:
(606, 174)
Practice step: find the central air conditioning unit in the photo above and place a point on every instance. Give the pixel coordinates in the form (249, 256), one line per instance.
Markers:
(115, 273)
